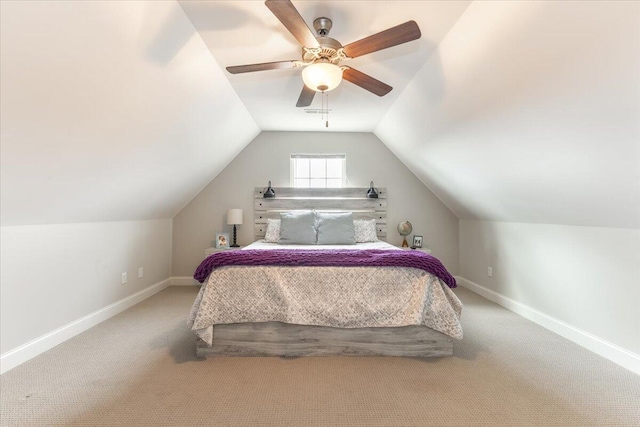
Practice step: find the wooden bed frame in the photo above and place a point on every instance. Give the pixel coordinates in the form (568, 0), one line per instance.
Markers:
(281, 339)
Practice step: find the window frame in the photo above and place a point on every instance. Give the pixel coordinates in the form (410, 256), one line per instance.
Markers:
(325, 156)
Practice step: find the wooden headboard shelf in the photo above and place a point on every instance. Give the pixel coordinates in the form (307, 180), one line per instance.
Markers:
(352, 199)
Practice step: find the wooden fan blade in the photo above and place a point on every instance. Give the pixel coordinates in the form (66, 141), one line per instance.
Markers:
(365, 81)
(287, 13)
(392, 37)
(280, 65)
(306, 97)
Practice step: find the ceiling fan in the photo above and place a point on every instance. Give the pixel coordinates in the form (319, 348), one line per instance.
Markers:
(321, 55)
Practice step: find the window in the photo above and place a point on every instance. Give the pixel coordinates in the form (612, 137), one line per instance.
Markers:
(318, 170)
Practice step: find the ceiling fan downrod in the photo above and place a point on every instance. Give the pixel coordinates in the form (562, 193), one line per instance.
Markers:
(322, 26)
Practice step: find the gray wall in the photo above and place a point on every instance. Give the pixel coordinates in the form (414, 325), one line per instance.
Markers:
(586, 277)
(267, 158)
(54, 274)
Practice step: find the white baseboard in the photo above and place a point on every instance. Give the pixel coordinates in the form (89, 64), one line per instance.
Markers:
(19, 355)
(184, 281)
(616, 354)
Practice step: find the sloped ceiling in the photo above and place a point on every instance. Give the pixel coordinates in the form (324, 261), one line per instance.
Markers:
(529, 112)
(110, 111)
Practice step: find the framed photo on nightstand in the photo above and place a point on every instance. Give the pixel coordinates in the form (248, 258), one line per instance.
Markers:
(417, 242)
(222, 240)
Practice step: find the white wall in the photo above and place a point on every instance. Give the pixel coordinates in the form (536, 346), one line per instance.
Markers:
(267, 158)
(587, 277)
(52, 275)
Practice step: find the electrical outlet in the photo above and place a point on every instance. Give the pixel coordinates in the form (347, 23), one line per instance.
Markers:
(489, 271)
(124, 278)
(140, 272)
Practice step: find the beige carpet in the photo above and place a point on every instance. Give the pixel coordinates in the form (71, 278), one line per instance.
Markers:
(138, 369)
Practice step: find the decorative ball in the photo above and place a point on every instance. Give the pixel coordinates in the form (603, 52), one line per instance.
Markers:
(404, 228)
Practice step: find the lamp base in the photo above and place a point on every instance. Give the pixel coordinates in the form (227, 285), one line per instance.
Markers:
(235, 245)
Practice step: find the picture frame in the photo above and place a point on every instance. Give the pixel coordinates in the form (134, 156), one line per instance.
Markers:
(417, 241)
(222, 240)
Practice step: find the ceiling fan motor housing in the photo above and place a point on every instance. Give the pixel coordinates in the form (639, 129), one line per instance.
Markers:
(328, 50)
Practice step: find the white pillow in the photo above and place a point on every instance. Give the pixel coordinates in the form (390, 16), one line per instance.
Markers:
(365, 230)
(272, 235)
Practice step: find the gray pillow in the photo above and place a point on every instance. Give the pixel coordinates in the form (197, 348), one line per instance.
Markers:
(298, 228)
(335, 229)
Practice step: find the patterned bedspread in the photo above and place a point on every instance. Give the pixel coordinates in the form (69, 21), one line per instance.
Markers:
(342, 297)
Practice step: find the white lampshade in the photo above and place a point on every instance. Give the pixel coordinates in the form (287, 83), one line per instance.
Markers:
(322, 76)
(234, 216)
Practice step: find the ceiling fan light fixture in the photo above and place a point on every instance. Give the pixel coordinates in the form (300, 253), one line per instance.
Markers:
(322, 76)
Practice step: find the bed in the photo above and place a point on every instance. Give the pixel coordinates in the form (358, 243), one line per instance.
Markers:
(364, 299)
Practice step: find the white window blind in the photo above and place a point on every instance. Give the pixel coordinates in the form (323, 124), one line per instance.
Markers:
(318, 170)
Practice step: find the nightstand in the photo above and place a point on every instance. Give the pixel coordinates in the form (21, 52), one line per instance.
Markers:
(212, 250)
(425, 250)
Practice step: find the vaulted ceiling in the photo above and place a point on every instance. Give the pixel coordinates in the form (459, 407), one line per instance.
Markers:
(508, 111)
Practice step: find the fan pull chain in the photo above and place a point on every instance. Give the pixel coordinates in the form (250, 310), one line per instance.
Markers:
(327, 122)
(324, 108)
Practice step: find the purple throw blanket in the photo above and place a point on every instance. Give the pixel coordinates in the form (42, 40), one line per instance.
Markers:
(326, 258)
